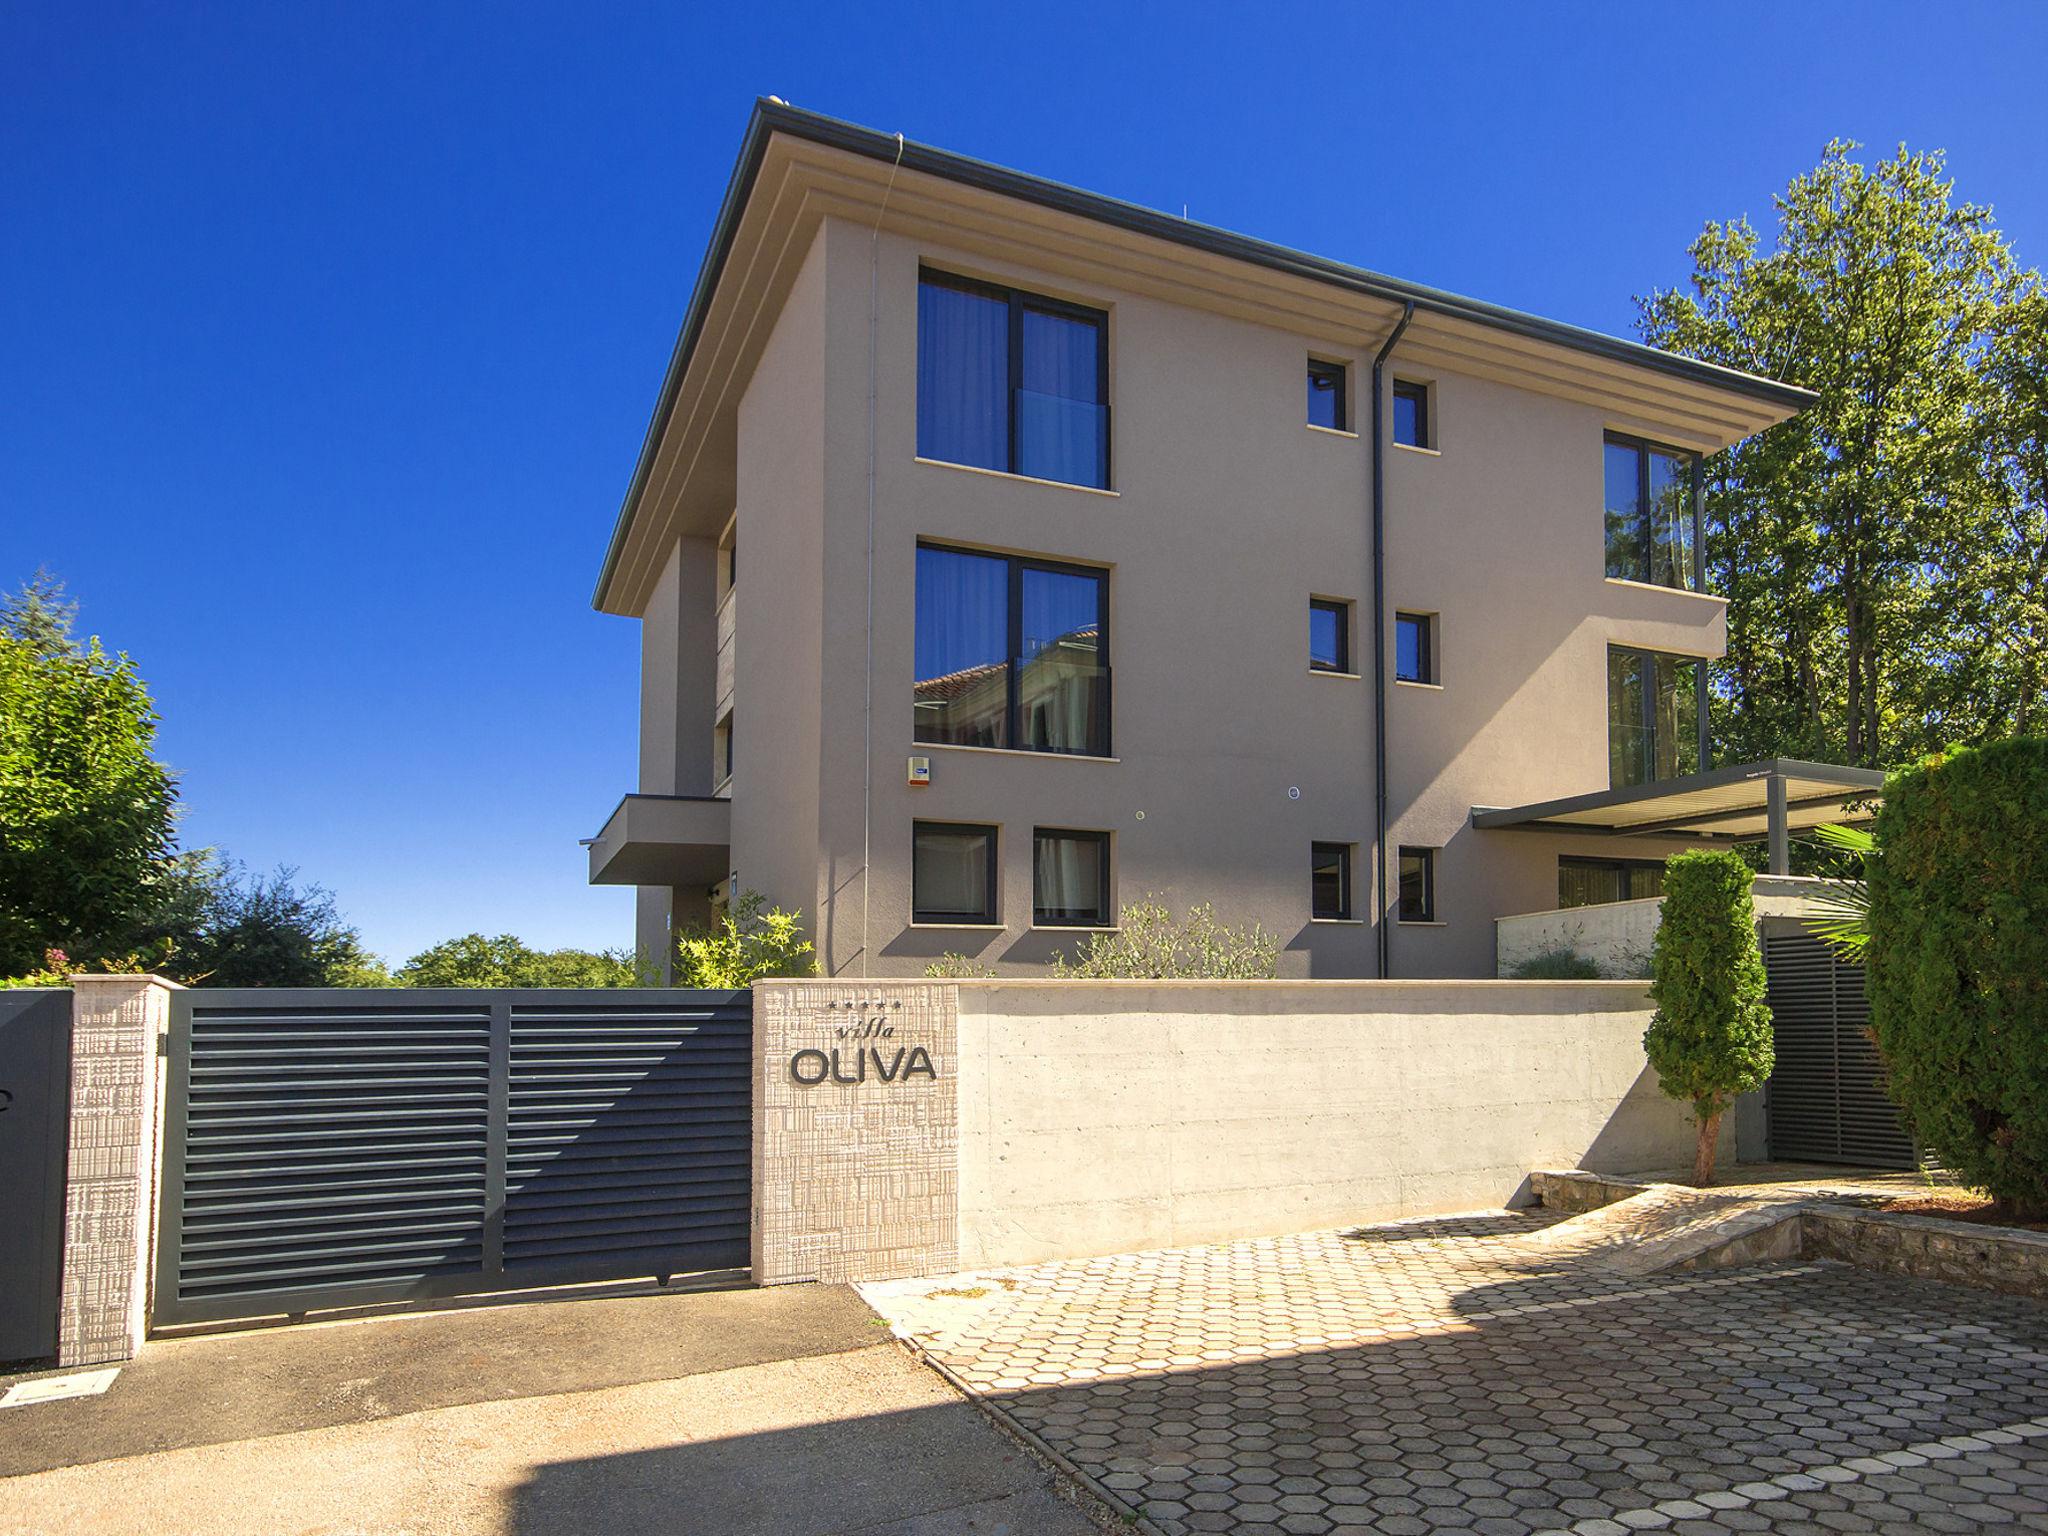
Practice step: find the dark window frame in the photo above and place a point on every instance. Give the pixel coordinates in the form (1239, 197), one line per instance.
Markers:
(1347, 906)
(1019, 300)
(1694, 580)
(1107, 913)
(1587, 861)
(1702, 760)
(990, 916)
(1425, 424)
(1428, 858)
(1342, 610)
(1340, 373)
(1425, 645)
(1013, 643)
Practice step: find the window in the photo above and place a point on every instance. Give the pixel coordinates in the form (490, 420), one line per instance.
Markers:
(1329, 635)
(1069, 879)
(1011, 653)
(1652, 529)
(1411, 414)
(1011, 381)
(1418, 885)
(1329, 881)
(1656, 714)
(1414, 650)
(721, 746)
(952, 873)
(1326, 403)
(1595, 882)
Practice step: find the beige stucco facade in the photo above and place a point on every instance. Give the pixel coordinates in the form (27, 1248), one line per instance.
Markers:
(793, 437)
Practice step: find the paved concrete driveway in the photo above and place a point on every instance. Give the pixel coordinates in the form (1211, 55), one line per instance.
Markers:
(784, 1411)
(1486, 1374)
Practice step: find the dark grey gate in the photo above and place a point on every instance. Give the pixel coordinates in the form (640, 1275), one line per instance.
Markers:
(35, 1122)
(1826, 1101)
(330, 1148)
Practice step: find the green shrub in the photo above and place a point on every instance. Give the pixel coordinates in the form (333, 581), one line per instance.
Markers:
(1150, 943)
(1561, 963)
(1710, 1038)
(951, 967)
(1958, 962)
(505, 961)
(745, 946)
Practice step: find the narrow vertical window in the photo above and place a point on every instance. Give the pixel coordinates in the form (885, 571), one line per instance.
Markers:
(1411, 414)
(952, 873)
(1650, 500)
(1329, 635)
(1329, 881)
(1418, 885)
(1326, 402)
(1414, 648)
(1069, 879)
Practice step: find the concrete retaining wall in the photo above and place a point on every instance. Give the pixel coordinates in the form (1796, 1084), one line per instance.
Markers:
(1100, 1117)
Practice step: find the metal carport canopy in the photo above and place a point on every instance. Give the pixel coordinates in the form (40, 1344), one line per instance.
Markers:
(1738, 803)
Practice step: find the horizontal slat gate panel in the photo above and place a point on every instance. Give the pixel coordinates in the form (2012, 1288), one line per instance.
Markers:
(1827, 1096)
(330, 1148)
(328, 1142)
(629, 1135)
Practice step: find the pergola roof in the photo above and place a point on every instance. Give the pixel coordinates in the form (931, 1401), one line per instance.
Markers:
(1732, 803)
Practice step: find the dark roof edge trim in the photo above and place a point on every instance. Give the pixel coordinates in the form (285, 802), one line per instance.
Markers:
(772, 117)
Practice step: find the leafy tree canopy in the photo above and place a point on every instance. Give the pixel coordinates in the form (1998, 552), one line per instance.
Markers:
(1884, 551)
(476, 961)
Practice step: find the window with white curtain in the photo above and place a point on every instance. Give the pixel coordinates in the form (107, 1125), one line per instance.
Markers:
(1012, 381)
(1069, 878)
(1010, 652)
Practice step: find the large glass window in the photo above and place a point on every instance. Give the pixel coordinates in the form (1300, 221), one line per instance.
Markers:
(1069, 879)
(1653, 716)
(952, 873)
(1011, 653)
(1595, 882)
(1011, 381)
(1651, 534)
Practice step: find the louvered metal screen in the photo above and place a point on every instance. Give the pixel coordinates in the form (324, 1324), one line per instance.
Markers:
(1826, 1102)
(334, 1148)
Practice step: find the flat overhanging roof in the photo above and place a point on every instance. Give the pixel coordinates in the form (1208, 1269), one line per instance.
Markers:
(1732, 803)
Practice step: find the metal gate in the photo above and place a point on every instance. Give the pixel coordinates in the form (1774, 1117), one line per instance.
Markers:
(35, 1119)
(1826, 1101)
(334, 1148)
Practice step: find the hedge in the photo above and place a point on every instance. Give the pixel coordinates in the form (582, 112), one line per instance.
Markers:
(1958, 962)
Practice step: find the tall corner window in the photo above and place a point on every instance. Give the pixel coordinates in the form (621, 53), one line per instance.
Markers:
(1418, 885)
(1411, 414)
(1329, 635)
(952, 873)
(1415, 647)
(1069, 878)
(1656, 714)
(1011, 652)
(1329, 881)
(1652, 513)
(1327, 406)
(1011, 381)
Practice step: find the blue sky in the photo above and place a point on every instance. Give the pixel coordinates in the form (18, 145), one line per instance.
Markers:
(328, 333)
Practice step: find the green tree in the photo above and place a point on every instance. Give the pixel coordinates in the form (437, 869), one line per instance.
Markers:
(505, 961)
(85, 807)
(1881, 552)
(1957, 962)
(744, 946)
(254, 930)
(1710, 1037)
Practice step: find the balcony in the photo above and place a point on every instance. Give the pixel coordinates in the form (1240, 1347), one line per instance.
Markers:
(679, 840)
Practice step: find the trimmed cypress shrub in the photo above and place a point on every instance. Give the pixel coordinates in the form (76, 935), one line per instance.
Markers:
(1957, 962)
(1710, 1038)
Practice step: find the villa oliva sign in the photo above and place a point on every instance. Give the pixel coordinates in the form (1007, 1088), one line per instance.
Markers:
(866, 1050)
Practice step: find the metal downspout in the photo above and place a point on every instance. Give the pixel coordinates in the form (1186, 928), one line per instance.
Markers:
(1379, 644)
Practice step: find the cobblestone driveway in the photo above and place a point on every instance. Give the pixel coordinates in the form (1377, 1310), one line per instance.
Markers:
(1469, 1373)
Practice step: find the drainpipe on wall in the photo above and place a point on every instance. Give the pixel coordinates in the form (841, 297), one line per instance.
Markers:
(1379, 644)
